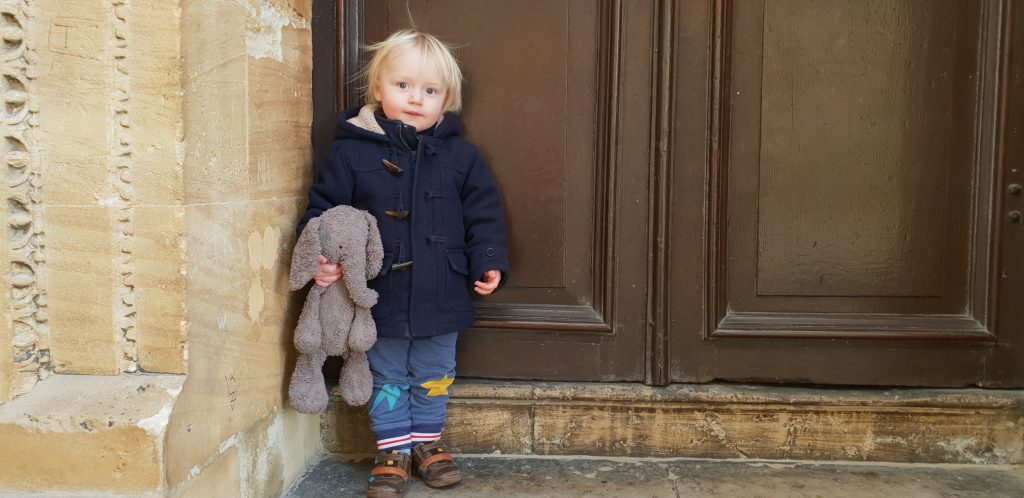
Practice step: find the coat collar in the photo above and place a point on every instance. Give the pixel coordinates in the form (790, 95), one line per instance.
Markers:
(362, 123)
(366, 120)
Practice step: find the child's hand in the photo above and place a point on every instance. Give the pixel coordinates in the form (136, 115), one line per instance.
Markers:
(326, 274)
(489, 283)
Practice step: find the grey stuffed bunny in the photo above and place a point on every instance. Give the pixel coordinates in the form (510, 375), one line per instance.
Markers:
(336, 319)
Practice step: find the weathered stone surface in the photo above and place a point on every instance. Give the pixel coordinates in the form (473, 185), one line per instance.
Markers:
(80, 290)
(220, 478)
(712, 421)
(346, 429)
(302, 446)
(108, 90)
(492, 428)
(6, 364)
(262, 466)
(779, 432)
(74, 90)
(272, 452)
(572, 477)
(26, 336)
(246, 112)
(158, 263)
(6, 339)
(280, 104)
(87, 433)
(214, 101)
(220, 359)
(239, 316)
(154, 65)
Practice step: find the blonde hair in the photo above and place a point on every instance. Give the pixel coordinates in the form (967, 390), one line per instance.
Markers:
(431, 48)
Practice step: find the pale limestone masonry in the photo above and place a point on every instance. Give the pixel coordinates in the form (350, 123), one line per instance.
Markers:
(120, 171)
(109, 431)
(961, 426)
(24, 301)
(162, 147)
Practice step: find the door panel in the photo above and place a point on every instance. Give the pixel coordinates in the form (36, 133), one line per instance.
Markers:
(852, 148)
(850, 162)
(847, 179)
(562, 117)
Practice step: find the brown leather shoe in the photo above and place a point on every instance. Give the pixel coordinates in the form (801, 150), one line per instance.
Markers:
(387, 479)
(433, 463)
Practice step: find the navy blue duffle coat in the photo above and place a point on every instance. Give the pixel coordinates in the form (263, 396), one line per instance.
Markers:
(438, 209)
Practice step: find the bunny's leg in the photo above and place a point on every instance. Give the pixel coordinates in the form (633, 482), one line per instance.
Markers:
(356, 382)
(364, 331)
(307, 391)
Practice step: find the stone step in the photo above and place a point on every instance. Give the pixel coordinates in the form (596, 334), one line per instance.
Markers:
(971, 426)
(489, 475)
(88, 435)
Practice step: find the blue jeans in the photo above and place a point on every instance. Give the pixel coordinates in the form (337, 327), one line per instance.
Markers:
(410, 388)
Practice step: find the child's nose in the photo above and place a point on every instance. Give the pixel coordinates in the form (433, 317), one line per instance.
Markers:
(415, 96)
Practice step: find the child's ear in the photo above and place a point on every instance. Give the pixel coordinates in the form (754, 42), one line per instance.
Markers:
(375, 91)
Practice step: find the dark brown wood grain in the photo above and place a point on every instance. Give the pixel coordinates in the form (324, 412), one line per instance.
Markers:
(786, 192)
(325, 27)
(792, 92)
(1006, 278)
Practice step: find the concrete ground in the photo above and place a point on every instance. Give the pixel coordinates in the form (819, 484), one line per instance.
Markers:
(517, 475)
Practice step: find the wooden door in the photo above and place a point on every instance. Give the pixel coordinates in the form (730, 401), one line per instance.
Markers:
(761, 190)
(837, 192)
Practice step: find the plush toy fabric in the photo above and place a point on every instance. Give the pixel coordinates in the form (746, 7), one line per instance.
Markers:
(335, 320)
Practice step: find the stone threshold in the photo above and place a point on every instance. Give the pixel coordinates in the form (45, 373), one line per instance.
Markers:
(721, 421)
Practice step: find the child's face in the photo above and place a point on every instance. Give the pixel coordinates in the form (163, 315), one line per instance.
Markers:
(411, 90)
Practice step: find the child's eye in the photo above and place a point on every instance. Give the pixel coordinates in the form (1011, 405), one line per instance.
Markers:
(403, 85)
(431, 91)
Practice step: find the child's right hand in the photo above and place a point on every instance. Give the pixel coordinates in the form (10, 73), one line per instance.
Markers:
(327, 274)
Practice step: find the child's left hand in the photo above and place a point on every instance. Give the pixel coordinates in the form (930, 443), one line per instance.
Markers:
(489, 283)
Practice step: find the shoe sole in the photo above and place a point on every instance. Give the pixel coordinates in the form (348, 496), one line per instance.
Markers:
(444, 483)
(384, 495)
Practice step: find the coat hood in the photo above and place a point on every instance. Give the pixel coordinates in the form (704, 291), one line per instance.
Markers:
(361, 123)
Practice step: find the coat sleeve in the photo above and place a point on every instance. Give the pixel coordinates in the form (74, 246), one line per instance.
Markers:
(484, 219)
(332, 186)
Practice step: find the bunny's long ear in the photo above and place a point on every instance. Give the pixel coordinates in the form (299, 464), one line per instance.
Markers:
(374, 248)
(306, 255)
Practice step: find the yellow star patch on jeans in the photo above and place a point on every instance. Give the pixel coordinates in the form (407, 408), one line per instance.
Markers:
(438, 387)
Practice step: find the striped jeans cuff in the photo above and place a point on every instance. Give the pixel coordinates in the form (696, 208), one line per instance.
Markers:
(425, 437)
(396, 442)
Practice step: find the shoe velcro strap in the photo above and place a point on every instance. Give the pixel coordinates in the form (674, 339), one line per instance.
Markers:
(437, 457)
(382, 470)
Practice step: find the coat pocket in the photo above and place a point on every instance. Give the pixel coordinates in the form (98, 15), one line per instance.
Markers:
(457, 292)
(382, 284)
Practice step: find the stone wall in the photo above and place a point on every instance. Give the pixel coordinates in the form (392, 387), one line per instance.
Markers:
(247, 111)
(157, 154)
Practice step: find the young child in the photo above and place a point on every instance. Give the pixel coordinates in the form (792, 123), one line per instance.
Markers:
(401, 158)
